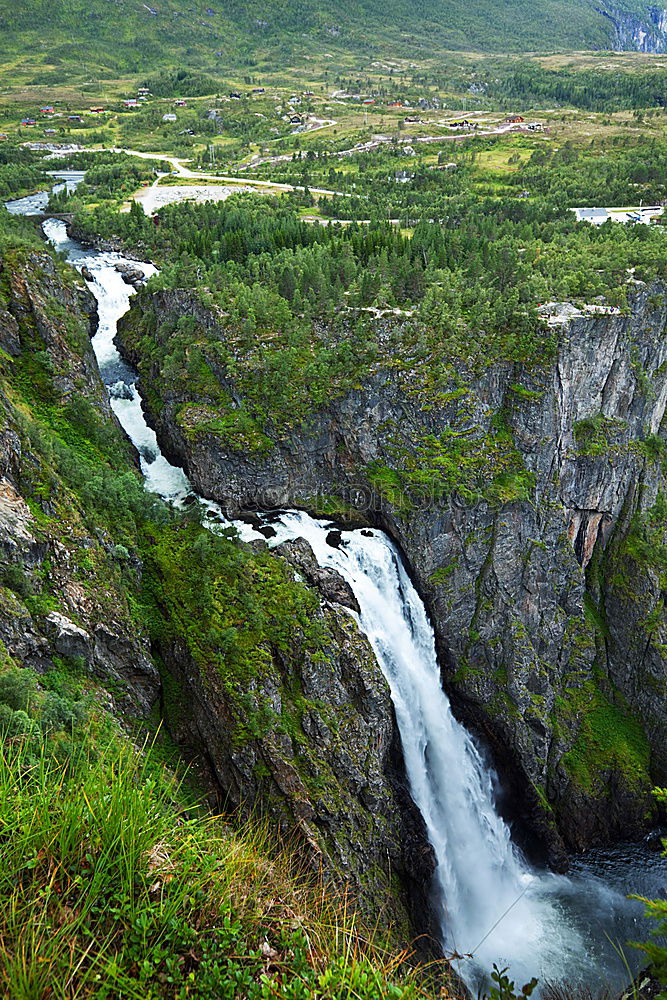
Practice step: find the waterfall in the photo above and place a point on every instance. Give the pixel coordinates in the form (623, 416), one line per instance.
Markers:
(493, 907)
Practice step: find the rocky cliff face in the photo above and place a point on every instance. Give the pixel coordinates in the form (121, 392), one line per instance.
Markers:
(309, 740)
(528, 503)
(60, 597)
(312, 742)
(635, 32)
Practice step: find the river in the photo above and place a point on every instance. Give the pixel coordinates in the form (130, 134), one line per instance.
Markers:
(494, 907)
(35, 204)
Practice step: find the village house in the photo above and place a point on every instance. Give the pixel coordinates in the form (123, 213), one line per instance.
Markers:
(168, 118)
(596, 216)
(513, 120)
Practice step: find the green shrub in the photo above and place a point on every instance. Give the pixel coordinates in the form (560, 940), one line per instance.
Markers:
(656, 951)
(17, 688)
(14, 577)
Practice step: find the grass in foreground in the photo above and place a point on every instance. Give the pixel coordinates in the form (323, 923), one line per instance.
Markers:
(108, 889)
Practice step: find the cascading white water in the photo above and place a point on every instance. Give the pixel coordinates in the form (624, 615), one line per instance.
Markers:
(493, 906)
(35, 204)
(113, 300)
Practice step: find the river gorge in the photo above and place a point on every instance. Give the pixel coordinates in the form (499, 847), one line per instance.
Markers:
(490, 903)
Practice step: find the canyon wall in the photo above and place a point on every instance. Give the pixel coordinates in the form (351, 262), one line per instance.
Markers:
(528, 502)
(635, 31)
(303, 732)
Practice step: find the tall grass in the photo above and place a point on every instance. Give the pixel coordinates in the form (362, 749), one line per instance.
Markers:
(109, 890)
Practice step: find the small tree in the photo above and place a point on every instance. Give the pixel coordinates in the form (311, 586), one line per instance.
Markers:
(657, 908)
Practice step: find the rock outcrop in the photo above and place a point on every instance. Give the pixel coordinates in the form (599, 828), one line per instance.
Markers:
(528, 502)
(312, 741)
(60, 598)
(308, 738)
(634, 32)
(330, 583)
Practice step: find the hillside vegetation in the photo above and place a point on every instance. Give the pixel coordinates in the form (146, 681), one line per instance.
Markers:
(109, 888)
(429, 271)
(116, 881)
(98, 39)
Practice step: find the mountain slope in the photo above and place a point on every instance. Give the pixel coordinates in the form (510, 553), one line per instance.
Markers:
(108, 38)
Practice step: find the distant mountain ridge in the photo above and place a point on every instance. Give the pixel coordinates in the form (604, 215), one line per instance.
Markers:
(109, 38)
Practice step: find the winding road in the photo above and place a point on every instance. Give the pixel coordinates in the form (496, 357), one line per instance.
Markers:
(179, 168)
